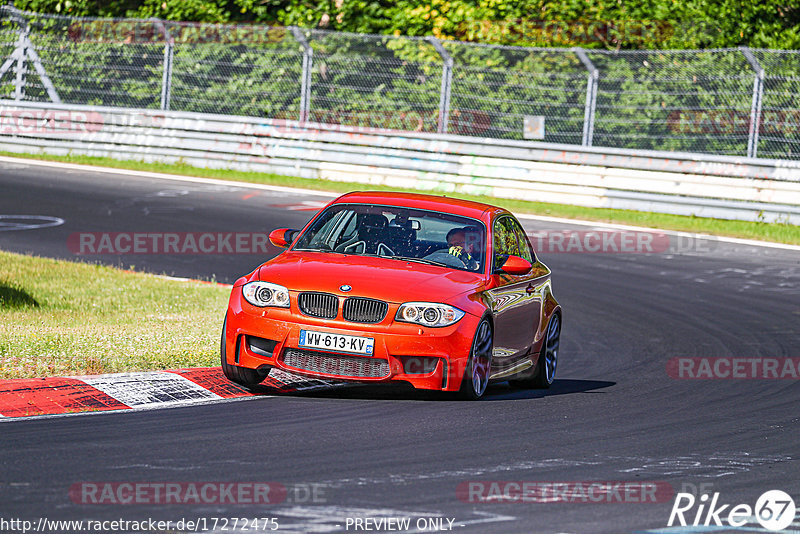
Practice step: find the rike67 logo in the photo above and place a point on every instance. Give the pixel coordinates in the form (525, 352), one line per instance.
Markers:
(774, 510)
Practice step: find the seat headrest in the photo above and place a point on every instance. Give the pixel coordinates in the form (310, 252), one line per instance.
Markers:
(372, 221)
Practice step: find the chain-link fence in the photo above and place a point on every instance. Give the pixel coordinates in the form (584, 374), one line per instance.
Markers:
(724, 101)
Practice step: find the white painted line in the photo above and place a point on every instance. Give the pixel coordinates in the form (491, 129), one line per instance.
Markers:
(712, 237)
(132, 410)
(150, 389)
(165, 176)
(578, 222)
(44, 221)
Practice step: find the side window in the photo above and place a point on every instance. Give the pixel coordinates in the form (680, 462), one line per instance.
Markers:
(524, 245)
(505, 240)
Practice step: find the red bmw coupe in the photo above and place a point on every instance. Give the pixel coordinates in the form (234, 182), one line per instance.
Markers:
(442, 293)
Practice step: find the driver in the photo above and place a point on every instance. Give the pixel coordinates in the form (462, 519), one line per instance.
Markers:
(461, 247)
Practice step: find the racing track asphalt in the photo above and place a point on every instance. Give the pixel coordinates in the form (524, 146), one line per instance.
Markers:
(613, 414)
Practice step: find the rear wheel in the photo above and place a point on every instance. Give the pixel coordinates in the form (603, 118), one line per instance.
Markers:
(476, 376)
(548, 359)
(241, 375)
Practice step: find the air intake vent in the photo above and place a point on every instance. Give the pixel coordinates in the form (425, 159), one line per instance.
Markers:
(260, 346)
(361, 310)
(329, 364)
(322, 305)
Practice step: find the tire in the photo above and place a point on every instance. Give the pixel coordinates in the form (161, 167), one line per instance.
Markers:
(476, 375)
(548, 359)
(240, 375)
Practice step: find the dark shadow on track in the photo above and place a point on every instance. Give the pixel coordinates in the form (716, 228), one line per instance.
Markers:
(403, 391)
(503, 391)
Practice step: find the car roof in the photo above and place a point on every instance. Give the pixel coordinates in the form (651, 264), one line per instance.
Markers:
(455, 206)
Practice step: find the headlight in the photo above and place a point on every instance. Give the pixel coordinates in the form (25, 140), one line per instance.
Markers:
(428, 314)
(266, 294)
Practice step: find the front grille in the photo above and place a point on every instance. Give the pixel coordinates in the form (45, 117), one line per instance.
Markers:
(322, 305)
(361, 310)
(331, 364)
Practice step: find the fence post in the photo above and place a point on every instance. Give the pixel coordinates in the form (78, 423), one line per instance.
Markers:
(305, 77)
(18, 56)
(37, 65)
(447, 84)
(13, 59)
(591, 96)
(23, 52)
(166, 78)
(755, 105)
(20, 69)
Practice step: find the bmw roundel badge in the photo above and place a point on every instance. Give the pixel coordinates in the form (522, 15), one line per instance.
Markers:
(345, 288)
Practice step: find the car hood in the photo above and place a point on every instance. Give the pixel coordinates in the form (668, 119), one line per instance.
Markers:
(380, 278)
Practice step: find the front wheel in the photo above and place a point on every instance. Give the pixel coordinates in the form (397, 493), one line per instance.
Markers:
(476, 375)
(240, 375)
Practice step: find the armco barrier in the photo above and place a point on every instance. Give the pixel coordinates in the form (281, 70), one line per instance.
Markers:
(685, 184)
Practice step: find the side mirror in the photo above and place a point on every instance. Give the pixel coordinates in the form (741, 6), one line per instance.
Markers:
(282, 237)
(516, 265)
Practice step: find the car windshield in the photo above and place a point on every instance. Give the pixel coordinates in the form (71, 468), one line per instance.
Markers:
(400, 233)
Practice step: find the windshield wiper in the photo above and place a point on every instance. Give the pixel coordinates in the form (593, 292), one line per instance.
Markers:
(418, 260)
(306, 249)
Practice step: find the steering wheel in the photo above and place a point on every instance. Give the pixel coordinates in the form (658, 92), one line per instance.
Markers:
(444, 256)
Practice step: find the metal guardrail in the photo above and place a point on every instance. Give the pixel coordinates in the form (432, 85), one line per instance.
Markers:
(685, 184)
(735, 101)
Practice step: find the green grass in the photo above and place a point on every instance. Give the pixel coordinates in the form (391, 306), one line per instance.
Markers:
(777, 232)
(59, 318)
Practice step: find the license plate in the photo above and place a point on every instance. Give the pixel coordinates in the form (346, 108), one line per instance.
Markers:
(336, 342)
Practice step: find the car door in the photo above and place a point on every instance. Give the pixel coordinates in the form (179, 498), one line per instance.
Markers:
(516, 300)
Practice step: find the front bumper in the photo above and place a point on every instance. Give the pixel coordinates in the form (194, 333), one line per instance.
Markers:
(427, 358)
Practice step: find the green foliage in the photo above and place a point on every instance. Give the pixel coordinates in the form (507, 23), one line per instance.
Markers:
(631, 24)
(261, 79)
(79, 8)
(193, 10)
(697, 101)
(376, 82)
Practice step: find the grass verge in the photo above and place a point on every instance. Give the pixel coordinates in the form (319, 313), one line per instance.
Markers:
(60, 318)
(776, 232)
